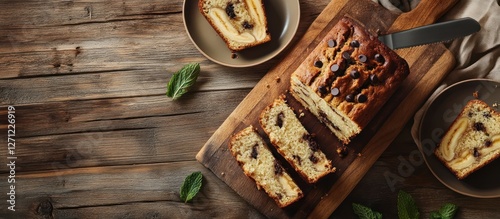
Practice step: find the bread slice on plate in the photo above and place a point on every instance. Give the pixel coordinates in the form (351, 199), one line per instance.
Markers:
(472, 140)
(240, 23)
(258, 163)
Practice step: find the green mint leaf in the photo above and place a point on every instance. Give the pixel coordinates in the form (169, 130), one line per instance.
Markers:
(182, 80)
(447, 211)
(364, 212)
(407, 209)
(191, 186)
(435, 215)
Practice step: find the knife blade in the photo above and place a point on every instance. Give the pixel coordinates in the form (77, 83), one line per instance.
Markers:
(433, 33)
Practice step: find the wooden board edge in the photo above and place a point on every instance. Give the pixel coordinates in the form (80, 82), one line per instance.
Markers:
(384, 137)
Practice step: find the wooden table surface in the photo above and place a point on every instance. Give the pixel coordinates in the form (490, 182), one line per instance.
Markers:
(96, 137)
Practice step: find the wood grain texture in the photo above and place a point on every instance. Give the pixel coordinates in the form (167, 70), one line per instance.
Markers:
(96, 137)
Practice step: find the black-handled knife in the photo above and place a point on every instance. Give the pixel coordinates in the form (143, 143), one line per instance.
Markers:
(433, 33)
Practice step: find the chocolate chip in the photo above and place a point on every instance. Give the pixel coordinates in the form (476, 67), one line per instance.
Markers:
(279, 121)
(355, 74)
(349, 98)
(332, 43)
(478, 126)
(374, 79)
(230, 11)
(280, 196)
(334, 68)
(354, 43)
(476, 153)
(323, 118)
(247, 25)
(254, 151)
(361, 98)
(312, 143)
(362, 58)
(297, 158)
(346, 55)
(379, 58)
(313, 158)
(335, 91)
(322, 90)
(318, 64)
(342, 151)
(278, 170)
(488, 143)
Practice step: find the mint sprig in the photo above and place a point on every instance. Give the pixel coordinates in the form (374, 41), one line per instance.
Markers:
(407, 209)
(447, 211)
(191, 186)
(364, 212)
(182, 80)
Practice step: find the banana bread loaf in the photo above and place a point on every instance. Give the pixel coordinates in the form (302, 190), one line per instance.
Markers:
(258, 163)
(472, 140)
(347, 78)
(294, 142)
(241, 24)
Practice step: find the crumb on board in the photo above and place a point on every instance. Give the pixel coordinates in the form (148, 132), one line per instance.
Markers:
(278, 79)
(475, 94)
(359, 154)
(301, 115)
(495, 105)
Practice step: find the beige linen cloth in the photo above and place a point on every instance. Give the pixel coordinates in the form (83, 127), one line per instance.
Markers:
(477, 55)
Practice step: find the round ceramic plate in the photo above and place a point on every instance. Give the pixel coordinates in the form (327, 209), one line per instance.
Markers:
(484, 183)
(282, 17)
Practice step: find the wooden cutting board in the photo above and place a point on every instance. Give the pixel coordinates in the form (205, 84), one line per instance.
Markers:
(428, 66)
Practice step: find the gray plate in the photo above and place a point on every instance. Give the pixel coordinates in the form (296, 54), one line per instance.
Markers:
(484, 183)
(283, 20)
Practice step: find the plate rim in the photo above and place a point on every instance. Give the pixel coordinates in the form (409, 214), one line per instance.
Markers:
(425, 157)
(278, 51)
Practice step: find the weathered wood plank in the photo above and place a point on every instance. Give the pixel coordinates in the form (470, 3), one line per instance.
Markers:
(139, 191)
(118, 131)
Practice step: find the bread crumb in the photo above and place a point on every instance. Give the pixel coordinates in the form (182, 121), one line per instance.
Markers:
(222, 173)
(359, 154)
(495, 105)
(342, 151)
(268, 86)
(475, 94)
(278, 79)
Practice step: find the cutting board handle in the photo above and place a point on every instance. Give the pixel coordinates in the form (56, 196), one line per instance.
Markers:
(426, 12)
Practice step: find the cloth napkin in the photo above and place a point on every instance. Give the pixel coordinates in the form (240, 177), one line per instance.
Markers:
(477, 55)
